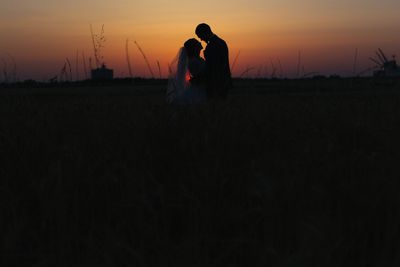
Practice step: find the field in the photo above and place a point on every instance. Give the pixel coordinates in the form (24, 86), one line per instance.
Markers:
(283, 173)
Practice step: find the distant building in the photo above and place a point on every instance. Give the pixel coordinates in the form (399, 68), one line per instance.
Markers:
(102, 73)
(386, 68)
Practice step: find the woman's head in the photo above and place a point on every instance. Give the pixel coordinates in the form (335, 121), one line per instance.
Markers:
(193, 47)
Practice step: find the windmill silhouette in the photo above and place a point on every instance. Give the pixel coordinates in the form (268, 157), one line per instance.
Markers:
(385, 67)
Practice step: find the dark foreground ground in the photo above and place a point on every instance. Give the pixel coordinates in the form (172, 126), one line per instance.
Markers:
(284, 173)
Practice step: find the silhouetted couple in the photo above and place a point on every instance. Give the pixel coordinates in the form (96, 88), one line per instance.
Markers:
(194, 80)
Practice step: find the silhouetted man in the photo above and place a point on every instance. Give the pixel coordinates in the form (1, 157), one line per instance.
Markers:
(216, 55)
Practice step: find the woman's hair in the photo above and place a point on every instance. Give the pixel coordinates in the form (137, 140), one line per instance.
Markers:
(192, 47)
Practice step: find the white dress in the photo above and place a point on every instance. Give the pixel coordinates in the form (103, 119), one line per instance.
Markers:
(195, 93)
(184, 84)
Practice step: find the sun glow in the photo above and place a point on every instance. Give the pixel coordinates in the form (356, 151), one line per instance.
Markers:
(187, 77)
(268, 34)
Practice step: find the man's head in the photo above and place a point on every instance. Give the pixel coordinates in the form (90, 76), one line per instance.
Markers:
(203, 31)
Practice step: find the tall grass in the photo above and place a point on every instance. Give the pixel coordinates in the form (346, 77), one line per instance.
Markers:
(280, 68)
(128, 60)
(235, 61)
(145, 59)
(159, 69)
(355, 62)
(5, 71)
(274, 69)
(246, 72)
(63, 73)
(69, 69)
(98, 41)
(263, 179)
(9, 70)
(298, 64)
(77, 66)
(84, 65)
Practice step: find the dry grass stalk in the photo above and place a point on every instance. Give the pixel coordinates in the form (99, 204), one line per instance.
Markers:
(312, 73)
(128, 58)
(10, 69)
(259, 70)
(280, 68)
(355, 61)
(63, 72)
(77, 65)
(94, 45)
(159, 69)
(274, 69)
(98, 43)
(5, 72)
(298, 63)
(246, 71)
(169, 70)
(234, 61)
(70, 69)
(90, 63)
(366, 70)
(265, 70)
(145, 59)
(84, 64)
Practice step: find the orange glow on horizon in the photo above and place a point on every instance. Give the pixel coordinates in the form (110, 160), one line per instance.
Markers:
(269, 35)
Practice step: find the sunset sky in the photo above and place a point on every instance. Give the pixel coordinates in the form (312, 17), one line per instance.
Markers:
(39, 35)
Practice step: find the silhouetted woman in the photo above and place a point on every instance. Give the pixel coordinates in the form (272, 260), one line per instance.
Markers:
(186, 85)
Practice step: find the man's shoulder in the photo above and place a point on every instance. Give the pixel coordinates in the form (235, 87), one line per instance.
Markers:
(216, 43)
(217, 39)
